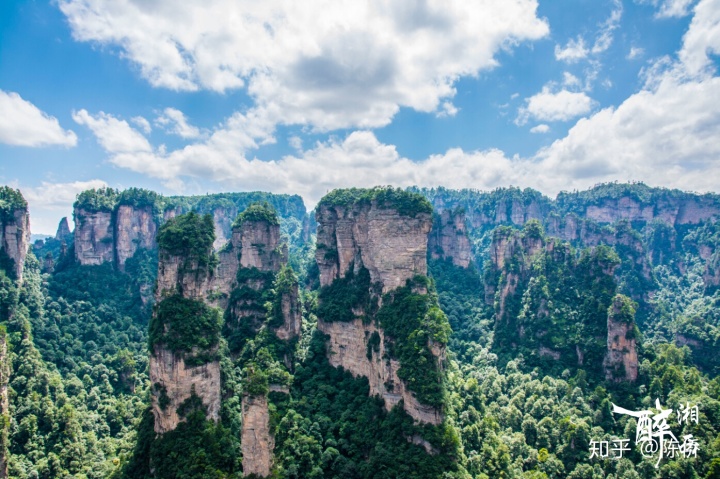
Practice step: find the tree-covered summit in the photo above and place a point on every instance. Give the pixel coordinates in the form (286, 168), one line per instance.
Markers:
(407, 203)
(11, 200)
(190, 235)
(96, 200)
(258, 212)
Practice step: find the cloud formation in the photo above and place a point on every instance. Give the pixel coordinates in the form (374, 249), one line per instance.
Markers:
(329, 64)
(547, 105)
(51, 201)
(24, 124)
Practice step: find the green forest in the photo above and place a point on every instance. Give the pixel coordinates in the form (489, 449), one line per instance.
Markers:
(513, 350)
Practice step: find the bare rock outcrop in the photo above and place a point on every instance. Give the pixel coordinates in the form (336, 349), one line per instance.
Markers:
(15, 237)
(94, 236)
(256, 440)
(348, 347)
(135, 228)
(448, 238)
(176, 382)
(185, 270)
(621, 361)
(63, 229)
(392, 247)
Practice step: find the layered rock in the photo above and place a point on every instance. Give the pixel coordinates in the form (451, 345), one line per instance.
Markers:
(348, 347)
(621, 361)
(256, 440)
(94, 236)
(177, 381)
(448, 238)
(184, 271)
(135, 228)
(15, 237)
(393, 248)
(63, 229)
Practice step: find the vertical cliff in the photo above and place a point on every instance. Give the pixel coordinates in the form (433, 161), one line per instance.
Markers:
(448, 238)
(94, 233)
(253, 269)
(621, 361)
(550, 303)
(184, 330)
(374, 301)
(63, 229)
(134, 228)
(14, 231)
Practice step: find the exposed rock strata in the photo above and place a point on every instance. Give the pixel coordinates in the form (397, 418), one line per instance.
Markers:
(63, 229)
(94, 237)
(621, 362)
(393, 248)
(448, 238)
(135, 228)
(15, 238)
(168, 370)
(256, 440)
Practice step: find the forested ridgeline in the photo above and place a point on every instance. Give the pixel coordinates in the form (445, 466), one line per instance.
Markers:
(502, 358)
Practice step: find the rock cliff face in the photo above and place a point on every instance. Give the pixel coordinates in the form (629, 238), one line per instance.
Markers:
(681, 211)
(393, 248)
(15, 238)
(135, 228)
(348, 348)
(63, 229)
(179, 381)
(94, 237)
(173, 380)
(448, 238)
(256, 440)
(621, 362)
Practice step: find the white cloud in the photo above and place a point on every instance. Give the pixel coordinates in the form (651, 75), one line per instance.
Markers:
(49, 202)
(174, 121)
(295, 143)
(142, 123)
(447, 110)
(607, 28)
(573, 51)
(570, 80)
(115, 136)
(702, 38)
(328, 64)
(24, 124)
(542, 128)
(563, 105)
(670, 8)
(635, 52)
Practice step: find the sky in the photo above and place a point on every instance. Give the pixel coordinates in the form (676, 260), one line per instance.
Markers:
(206, 96)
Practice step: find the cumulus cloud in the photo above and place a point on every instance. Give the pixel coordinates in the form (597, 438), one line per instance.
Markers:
(635, 52)
(24, 124)
(174, 121)
(702, 38)
(542, 128)
(328, 64)
(547, 105)
(142, 123)
(573, 51)
(115, 136)
(607, 28)
(670, 8)
(51, 201)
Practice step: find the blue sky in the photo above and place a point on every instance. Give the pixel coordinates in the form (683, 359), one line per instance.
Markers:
(220, 95)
